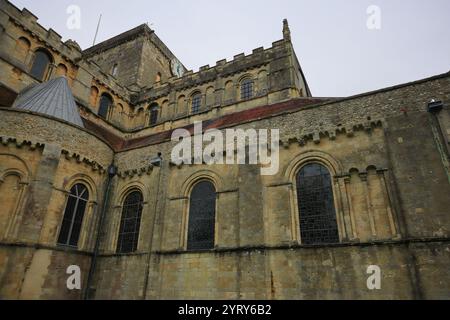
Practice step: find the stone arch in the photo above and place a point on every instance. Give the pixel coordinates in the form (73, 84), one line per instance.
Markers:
(84, 179)
(165, 112)
(13, 184)
(209, 97)
(61, 70)
(134, 185)
(115, 70)
(243, 77)
(262, 83)
(229, 92)
(158, 77)
(94, 96)
(206, 174)
(23, 46)
(181, 104)
(333, 165)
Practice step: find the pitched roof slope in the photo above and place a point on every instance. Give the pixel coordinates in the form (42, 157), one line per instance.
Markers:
(53, 98)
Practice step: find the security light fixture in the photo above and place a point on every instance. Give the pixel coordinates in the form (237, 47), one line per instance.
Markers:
(435, 106)
(112, 170)
(156, 161)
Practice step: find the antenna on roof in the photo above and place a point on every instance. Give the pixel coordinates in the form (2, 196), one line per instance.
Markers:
(96, 32)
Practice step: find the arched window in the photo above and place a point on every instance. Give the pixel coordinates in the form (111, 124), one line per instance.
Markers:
(246, 89)
(130, 223)
(115, 70)
(210, 98)
(181, 104)
(23, 46)
(73, 215)
(41, 64)
(105, 104)
(196, 102)
(154, 109)
(202, 217)
(61, 70)
(158, 77)
(229, 92)
(316, 205)
(94, 96)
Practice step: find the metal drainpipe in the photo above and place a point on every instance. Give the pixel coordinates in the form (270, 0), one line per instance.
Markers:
(147, 275)
(112, 171)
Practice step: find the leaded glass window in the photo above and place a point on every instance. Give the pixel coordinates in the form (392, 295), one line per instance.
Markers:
(196, 102)
(105, 104)
(202, 217)
(153, 115)
(73, 215)
(130, 223)
(40, 65)
(316, 205)
(246, 89)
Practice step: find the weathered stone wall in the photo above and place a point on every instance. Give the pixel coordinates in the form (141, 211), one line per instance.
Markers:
(30, 273)
(388, 158)
(41, 158)
(390, 176)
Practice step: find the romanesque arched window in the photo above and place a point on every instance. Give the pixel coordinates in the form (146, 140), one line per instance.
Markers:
(130, 222)
(247, 89)
(61, 71)
(196, 102)
(158, 77)
(115, 70)
(41, 64)
(154, 110)
(23, 46)
(316, 205)
(105, 103)
(73, 215)
(202, 217)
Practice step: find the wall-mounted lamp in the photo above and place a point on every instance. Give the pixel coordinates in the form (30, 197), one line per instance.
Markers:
(435, 106)
(156, 161)
(112, 170)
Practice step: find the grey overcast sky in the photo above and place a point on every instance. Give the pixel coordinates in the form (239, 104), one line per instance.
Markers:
(339, 54)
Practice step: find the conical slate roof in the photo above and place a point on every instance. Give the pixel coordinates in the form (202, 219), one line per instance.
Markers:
(53, 98)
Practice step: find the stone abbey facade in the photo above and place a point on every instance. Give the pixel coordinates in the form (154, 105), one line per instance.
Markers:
(86, 176)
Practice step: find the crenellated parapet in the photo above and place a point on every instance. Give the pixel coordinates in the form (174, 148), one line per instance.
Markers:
(223, 69)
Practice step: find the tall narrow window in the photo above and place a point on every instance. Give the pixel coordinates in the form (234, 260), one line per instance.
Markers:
(41, 64)
(73, 216)
(316, 205)
(153, 114)
(130, 223)
(23, 46)
(105, 104)
(202, 217)
(115, 70)
(158, 77)
(246, 89)
(196, 102)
